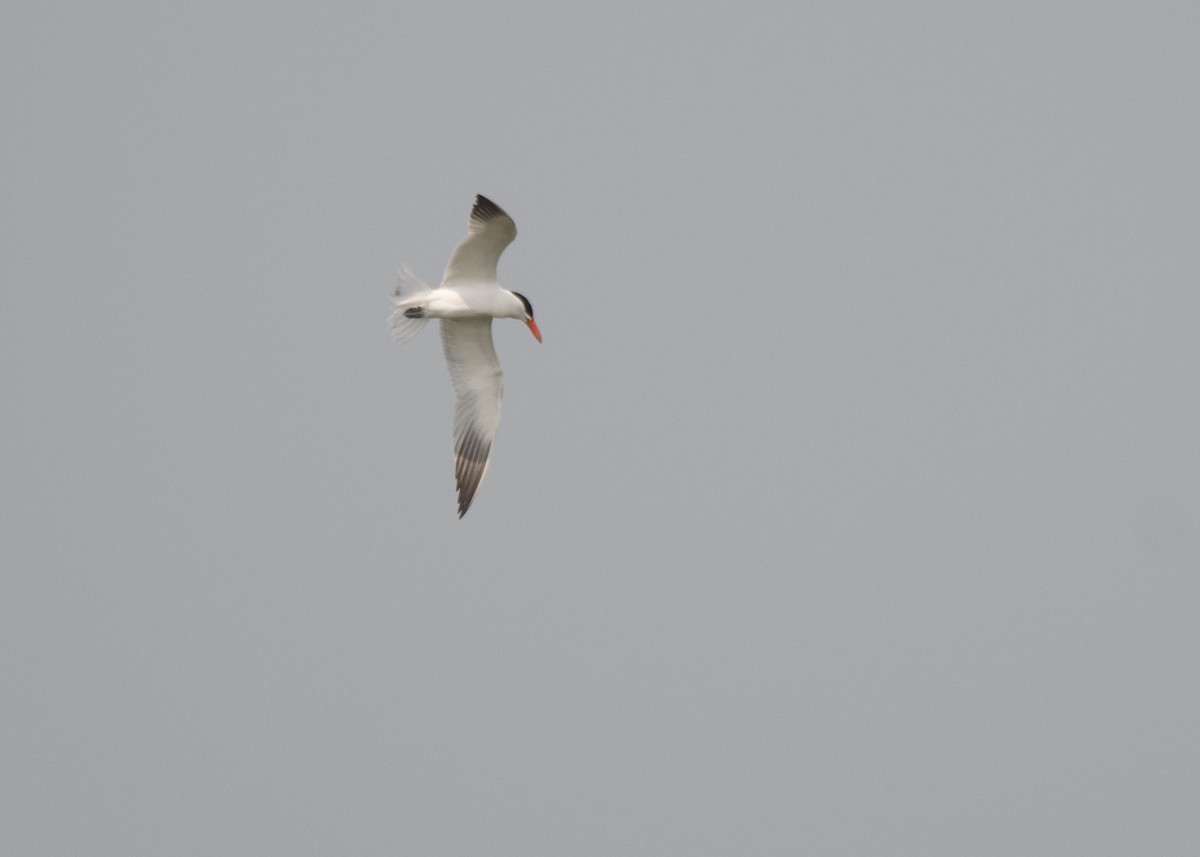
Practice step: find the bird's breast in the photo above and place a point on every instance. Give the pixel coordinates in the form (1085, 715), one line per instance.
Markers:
(469, 302)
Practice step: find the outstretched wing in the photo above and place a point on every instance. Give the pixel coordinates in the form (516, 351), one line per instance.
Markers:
(479, 385)
(474, 259)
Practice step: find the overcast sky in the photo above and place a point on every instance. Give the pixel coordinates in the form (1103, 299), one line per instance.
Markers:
(850, 507)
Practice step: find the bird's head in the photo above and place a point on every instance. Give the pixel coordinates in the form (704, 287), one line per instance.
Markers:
(528, 316)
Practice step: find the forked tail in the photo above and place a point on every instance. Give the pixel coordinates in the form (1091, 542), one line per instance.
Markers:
(407, 319)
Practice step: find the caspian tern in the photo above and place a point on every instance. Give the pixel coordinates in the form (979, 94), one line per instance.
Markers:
(466, 302)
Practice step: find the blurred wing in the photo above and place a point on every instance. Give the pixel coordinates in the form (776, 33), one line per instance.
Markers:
(474, 259)
(479, 384)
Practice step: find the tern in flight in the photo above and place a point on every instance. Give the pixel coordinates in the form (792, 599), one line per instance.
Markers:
(466, 302)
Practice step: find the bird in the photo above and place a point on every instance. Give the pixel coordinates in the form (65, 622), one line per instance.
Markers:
(466, 302)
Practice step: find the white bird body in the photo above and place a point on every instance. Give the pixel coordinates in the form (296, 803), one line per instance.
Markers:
(466, 302)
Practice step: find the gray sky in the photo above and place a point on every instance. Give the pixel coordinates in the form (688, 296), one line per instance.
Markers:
(851, 506)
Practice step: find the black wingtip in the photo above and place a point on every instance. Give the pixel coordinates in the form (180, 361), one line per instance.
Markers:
(464, 505)
(485, 209)
(471, 452)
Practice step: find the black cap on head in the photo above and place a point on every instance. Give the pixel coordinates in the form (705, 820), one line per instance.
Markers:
(528, 305)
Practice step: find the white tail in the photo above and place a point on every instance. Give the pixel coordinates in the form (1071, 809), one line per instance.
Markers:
(408, 293)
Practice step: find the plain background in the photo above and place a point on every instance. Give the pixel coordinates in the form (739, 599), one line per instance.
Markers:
(851, 506)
